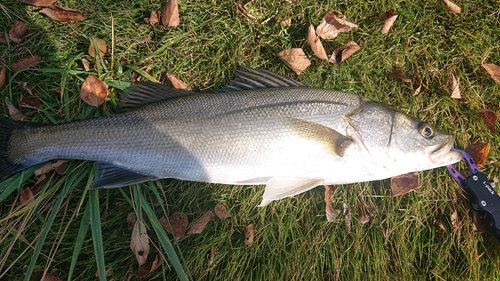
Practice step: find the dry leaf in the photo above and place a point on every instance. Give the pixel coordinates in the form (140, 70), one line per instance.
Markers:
(3, 77)
(153, 18)
(364, 219)
(332, 24)
(28, 88)
(178, 222)
(440, 225)
(388, 18)
(51, 166)
(26, 196)
(86, 64)
(331, 213)
(14, 113)
(286, 22)
(490, 118)
(200, 223)
(418, 83)
(405, 183)
(39, 3)
(139, 242)
(148, 267)
(315, 43)
(241, 10)
(25, 63)
(493, 70)
(131, 219)
(455, 223)
(93, 92)
(19, 31)
(249, 235)
(221, 212)
(452, 7)
(170, 14)
(176, 82)
(454, 88)
(101, 46)
(30, 102)
(342, 53)
(295, 58)
(479, 152)
(348, 219)
(63, 14)
(398, 73)
(51, 277)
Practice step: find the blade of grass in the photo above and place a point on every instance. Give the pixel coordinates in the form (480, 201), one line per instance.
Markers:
(82, 232)
(95, 225)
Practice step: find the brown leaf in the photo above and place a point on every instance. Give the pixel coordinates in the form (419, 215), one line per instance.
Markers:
(101, 46)
(348, 219)
(493, 70)
(26, 196)
(86, 64)
(14, 113)
(331, 213)
(148, 267)
(131, 219)
(241, 10)
(249, 235)
(388, 18)
(479, 152)
(2, 38)
(405, 183)
(25, 63)
(176, 82)
(51, 166)
(19, 31)
(153, 18)
(39, 3)
(452, 7)
(332, 24)
(28, 88)
(315, 43)
(286, 22)
(63, 14)
(342, 53)
(3, 77)
(454, 88)
(455, 222)
(198, 226)
(490, 118)
(221, 212)
(170, 13)
(30, 102)
(295, 58)
(139, 242)
(418, 84)
(51, 277)
(178, 223)
(93, 92)
(398, 73)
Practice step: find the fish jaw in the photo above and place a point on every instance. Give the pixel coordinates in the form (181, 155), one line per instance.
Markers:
(441, 154)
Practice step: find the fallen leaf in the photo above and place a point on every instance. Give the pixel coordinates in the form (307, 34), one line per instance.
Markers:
(2, 38)
(93, 92)
(348, 219)
(490, 118)
(28, 88)
(200, 223)
(479, 152)
(405, 183)
(148, 267)
(249, 235)
(315, 43)
(286, 22)
(39, 3)
(342, 53)
(176, 82)
(398, 73)
(364, 219)
(26, 196)
(178, 224)
(19, 31)
(331, 213)
(455, 223)
(170, 14)
(139, 242)
(454, 88)
(153, 18)
(452, 7)
(101, 46)
(51, 166)
(25, 63)
(131, 219)
(332, 24)
(30, 102)
(14, 113)
(388, 18)
(221, 212)
(241, 10)
(418, 83)
(51, 277)
(3, 77)
(63, 14)
(493, 70)
(86, 64)
(295, 58)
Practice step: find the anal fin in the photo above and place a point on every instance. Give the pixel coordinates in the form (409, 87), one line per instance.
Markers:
(282, 187)
(110, 176)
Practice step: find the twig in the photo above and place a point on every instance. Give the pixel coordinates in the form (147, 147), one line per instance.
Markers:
(22, 44)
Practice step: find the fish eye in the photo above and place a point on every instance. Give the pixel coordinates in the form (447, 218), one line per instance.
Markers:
(426, 130)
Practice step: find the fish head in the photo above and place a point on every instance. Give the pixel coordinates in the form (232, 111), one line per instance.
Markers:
(397, 142)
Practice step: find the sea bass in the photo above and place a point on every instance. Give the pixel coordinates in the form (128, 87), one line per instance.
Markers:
(260, 129)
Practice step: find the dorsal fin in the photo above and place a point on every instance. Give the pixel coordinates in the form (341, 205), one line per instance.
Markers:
(249, 79)
(143, 93)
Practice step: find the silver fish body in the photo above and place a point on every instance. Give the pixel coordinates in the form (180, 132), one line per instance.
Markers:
(290, 137)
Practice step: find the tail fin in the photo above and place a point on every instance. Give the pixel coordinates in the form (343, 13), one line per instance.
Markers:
(7, 167)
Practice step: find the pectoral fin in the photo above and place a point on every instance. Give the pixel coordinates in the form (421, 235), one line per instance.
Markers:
(333, 140)
(110, 176)
(282, 187)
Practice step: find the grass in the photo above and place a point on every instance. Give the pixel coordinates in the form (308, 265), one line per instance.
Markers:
(84, 233)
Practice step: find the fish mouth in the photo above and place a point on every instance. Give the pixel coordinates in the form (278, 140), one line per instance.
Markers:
(441, 153)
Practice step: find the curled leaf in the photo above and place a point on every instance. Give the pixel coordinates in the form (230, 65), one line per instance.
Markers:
(418, 84)
(178, 224)
(490, 118)
(176, 82)
(63, 14)
(39, 3)
(493, 70)
(19, 31)
(454, 88)
(479, 152)
(93, 92)
(332, 24)
(342, 53)
(97, 44)
(25, 63)
(405, 183)
(139, 242)
(398, 73)
(295, 58)
(315, 43)
(388, 18)
(452, 7)
(331, 213)
(221, 212)
(200, 223)
(249, 235)
(170, 14)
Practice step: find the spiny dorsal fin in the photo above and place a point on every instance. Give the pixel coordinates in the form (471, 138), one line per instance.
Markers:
(249, 79)
(110, 176)
(282, 187)
(143, 93)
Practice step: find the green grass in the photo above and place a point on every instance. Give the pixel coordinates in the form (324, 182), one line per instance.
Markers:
(83, 232)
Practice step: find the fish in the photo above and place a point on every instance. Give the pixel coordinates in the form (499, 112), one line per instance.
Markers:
(260, 129)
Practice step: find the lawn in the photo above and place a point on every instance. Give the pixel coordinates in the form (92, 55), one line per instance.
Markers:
(82, 234)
